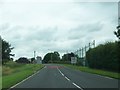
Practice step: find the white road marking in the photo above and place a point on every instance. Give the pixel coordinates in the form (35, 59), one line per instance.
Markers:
(105, 77)
(108, 77)
(45, 67)
(69, 79)
(60, 72)
(77, 86)
(25, 79)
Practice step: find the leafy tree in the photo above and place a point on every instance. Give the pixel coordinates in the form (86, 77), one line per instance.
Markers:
(55, 56)
(6, 51)
(47, 58)
(22, 60)
(51, 57)
(117, 33)
(67, 57)
(32, 60)
(104, 56)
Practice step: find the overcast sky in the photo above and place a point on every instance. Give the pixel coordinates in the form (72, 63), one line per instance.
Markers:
(56, 25)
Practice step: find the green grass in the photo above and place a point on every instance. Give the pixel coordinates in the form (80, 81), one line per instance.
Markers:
(18, 72)
(0, 82)
(0, 77)
(95, 71)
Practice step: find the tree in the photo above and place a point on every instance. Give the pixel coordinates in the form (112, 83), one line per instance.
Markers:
(51, 57)
(117, 33)
(47, 58)
(56, 56)
(104, 56)
(22, 60)
(67, 57)
(6, 51)
(32, 60)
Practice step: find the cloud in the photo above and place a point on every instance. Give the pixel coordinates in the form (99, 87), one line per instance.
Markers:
(61, 26)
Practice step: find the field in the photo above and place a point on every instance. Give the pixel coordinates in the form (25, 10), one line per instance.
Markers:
(95, 71)
(13, 73)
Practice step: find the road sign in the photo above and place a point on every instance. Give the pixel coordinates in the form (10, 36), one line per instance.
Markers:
(73, 60)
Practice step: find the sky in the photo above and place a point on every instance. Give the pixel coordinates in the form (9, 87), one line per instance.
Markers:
(56, 25)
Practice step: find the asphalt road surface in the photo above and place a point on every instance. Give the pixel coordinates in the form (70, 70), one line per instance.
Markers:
(58, 76)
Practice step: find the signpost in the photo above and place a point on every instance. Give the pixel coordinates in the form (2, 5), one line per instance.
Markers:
(73, 60)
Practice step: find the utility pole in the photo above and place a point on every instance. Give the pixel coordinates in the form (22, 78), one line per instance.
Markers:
(67, 56)
(94, 43)
(34, 54)
(80, 53)
(89, 45)
(51, 57)
(85, 56)
(77, 53)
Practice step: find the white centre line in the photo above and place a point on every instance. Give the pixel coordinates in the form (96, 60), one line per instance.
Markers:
(69, 79)
(60, 72)
(77, 86)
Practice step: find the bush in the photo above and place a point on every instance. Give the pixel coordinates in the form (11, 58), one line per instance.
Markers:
(104, 56)
(22, 60)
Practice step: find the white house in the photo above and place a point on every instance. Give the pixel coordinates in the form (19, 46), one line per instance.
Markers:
(38, 60)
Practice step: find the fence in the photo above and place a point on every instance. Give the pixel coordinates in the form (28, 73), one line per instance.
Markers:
(81, 53)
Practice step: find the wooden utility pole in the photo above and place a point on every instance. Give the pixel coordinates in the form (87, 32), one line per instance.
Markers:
(80, 53)
(93, 43)
(51, 57)
(89, 46)
(34, 54)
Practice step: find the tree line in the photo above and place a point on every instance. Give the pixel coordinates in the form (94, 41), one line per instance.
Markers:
(54, 57)
(51, 57)
(6, 51)
(104, 56)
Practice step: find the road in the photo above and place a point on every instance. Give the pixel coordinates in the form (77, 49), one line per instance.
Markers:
(58, 76)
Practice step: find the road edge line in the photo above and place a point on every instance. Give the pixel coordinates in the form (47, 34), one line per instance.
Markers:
(25, 79)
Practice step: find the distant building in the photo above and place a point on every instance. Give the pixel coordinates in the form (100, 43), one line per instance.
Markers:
(38, 60)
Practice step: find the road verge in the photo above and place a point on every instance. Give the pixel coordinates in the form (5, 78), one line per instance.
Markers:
(95, 71)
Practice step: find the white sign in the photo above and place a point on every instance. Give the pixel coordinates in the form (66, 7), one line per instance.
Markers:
(73, 60)
(39, 60)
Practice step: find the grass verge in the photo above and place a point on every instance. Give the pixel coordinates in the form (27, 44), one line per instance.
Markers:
(95, 71)
(0, 77)
(18, 74)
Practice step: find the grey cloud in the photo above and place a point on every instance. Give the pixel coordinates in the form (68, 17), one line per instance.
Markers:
(4, 27)
(39, 34)
(61, 27)
(84, 30)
